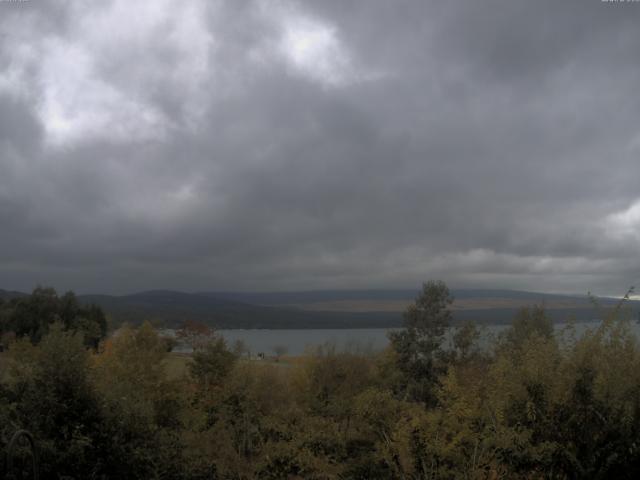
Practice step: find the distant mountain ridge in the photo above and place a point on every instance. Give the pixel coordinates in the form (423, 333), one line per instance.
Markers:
(313, 296)
(8, 294)
(309, 296)
(326, 308)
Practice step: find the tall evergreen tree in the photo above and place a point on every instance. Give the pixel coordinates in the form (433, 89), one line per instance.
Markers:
(418, 346)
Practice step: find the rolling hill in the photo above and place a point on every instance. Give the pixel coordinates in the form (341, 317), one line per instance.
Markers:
(327, 309)
(333, 309)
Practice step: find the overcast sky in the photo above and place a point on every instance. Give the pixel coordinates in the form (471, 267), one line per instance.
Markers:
(283, 145)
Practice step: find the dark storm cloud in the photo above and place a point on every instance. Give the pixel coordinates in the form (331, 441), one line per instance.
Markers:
(272, 144)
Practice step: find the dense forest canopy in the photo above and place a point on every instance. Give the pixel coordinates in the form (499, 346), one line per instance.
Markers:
(33, 315)
(533, 405)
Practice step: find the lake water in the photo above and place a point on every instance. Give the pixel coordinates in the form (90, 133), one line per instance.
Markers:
(296, 342)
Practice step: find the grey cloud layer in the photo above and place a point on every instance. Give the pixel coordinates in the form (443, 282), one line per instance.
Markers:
(271, 144)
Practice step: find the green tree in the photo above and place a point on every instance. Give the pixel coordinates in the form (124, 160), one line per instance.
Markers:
(465, 339)
(419, 355)
(31, 316)
(49, 392)
(212, 363)
(529, 321)
(143, 409)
